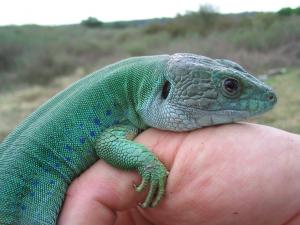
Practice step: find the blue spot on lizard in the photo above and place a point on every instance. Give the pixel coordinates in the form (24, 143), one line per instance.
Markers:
(52, 182)
(108, 112)
(82, 140)
(97, 121)
(68, 148)
(92, 133)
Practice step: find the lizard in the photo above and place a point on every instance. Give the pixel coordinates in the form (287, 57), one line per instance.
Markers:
(98, 117)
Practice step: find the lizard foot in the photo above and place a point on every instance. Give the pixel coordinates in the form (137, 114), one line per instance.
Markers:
(153, 175)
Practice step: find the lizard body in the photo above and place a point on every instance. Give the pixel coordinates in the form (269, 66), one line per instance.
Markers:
(99, 115)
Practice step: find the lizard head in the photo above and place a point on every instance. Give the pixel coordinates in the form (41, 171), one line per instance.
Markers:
(198, 91)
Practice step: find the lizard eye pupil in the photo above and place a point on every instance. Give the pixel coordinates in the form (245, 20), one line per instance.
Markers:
(231, 86)
(166, 90)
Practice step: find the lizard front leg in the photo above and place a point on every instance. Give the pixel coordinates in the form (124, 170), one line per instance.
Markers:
(116, 147)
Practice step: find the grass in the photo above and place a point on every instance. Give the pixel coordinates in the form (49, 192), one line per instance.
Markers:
(37, 55)
(285, 114)
(16, 105)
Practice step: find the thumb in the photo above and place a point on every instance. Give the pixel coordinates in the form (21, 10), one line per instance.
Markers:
(97, 194)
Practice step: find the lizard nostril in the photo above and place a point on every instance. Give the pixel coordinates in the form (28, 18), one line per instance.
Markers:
(271, 97)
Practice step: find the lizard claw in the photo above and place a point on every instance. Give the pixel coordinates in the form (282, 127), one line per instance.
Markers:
(142, 185)
(155, 176)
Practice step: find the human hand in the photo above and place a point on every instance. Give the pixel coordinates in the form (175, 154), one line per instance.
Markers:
(242, 174)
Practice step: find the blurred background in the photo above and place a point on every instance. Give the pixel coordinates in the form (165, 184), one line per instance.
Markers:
(44, 47)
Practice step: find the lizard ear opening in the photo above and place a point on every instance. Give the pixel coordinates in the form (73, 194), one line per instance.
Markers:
(166, 89)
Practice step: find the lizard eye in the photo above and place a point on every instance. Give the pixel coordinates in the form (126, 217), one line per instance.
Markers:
(231, 87)
(166, 89)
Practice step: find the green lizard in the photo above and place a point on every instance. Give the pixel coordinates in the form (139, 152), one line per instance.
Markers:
(99, 115)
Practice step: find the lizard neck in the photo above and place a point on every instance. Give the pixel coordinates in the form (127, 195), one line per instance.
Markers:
(129, 84)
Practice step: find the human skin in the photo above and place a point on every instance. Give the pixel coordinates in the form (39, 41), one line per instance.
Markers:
(223, 175)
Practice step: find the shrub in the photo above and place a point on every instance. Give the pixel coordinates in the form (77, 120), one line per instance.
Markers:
(8, 54)
(262, 38)
(92, 22)
(285, 11)
(154, 28)
(297, 11)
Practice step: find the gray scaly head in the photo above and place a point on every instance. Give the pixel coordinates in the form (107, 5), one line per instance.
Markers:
(198, 91)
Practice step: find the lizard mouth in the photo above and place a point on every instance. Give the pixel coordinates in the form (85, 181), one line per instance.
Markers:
(194, 108)
(228, 116)
(252, 107)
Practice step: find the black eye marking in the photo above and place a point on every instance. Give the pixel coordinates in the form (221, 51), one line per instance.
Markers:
(166, 89)
(231, 86)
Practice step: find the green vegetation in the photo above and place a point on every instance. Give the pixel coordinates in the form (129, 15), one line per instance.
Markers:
(36, 61)
(34, 54)
(289, 11)
(286, 114)
(92, 22)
